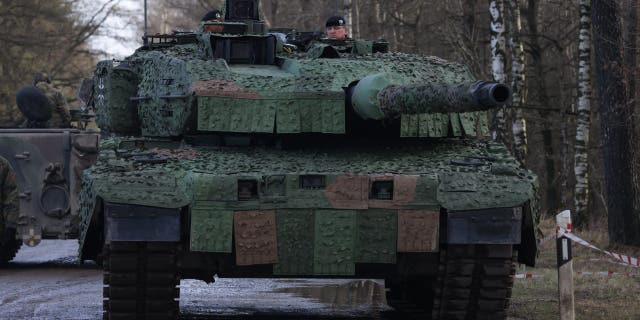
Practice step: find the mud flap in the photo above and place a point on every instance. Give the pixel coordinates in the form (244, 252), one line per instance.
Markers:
(491, 226)
(140, 223)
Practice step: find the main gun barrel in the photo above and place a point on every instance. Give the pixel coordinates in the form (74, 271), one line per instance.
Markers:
(375, 98)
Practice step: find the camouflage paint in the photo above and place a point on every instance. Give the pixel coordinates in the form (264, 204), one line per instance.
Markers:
(376, 234)
(113, 87)
(452, 174)
(418, 230)
(181, 90)
(296, 236)
(299, 95)
(334, 246)
(211, 229)
(255, 237)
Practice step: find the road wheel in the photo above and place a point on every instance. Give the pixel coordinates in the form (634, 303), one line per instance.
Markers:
(141, 281)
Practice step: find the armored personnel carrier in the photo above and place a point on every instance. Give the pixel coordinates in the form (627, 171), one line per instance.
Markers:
(233, 152)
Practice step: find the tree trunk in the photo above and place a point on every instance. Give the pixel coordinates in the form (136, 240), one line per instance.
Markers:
(537, 63)
(614, 111)
(519, 125)
(630, 40)
(498, 48)
(581, 156)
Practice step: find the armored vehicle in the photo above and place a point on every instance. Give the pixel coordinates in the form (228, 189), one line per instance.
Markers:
(234, 152)
(40, 174)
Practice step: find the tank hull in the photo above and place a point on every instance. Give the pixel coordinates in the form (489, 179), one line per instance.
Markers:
(408, 213)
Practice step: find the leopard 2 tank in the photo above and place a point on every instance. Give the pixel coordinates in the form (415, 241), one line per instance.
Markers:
(230, 152)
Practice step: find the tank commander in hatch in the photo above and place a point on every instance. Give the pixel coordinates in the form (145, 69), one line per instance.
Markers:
(336, 28)
(214, 15)
(61, 117)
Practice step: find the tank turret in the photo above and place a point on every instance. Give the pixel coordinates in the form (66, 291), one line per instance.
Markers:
(374, 97)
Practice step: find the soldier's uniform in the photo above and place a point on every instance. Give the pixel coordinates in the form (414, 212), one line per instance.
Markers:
(60, 117)
(9, 205)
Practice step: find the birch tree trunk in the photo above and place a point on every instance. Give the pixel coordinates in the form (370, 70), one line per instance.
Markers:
(347, 13)
(519, 125)
(581, 147)
(498, 46)
(614, 111)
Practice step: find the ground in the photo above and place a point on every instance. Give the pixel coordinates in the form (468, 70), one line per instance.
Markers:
(597, 296)
(46, 282)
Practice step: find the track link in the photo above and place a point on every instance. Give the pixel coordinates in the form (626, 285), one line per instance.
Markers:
(474, 282)
(141, 281)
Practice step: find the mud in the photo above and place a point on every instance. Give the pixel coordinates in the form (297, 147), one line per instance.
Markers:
(46, 282)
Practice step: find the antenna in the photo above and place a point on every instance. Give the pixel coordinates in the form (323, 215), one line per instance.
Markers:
(145, 22)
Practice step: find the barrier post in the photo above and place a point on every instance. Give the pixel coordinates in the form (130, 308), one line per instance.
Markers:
(565, 267)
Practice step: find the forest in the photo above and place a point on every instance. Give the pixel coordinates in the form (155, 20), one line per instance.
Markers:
(572, 64)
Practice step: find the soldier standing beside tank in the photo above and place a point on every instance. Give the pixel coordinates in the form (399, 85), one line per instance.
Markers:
(61, 117)
(336, 28)
(8, 195)
(9, 245)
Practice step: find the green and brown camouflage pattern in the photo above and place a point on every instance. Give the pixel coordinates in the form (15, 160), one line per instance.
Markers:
(9, 202)
(302, 95)
(316, 232)
(246, 200)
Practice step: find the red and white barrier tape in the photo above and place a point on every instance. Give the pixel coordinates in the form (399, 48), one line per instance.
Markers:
(626, 260)
(579, 273)
(527, 276)
(605, 273)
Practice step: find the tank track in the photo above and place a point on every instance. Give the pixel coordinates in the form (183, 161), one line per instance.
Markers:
(474, 282)
(411, 298)
(141, 281)
(9, 245)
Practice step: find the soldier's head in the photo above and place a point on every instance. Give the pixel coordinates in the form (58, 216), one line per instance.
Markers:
(213, 15)
(41, 76)
(336, 28)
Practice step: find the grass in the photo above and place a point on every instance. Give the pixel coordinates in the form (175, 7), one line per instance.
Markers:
(596, 296)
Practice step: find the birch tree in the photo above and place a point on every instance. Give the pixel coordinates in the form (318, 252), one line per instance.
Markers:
(615, 115)
(581, 146)
(519, 125)
(498, 48)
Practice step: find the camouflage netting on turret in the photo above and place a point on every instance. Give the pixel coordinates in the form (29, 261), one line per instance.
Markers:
(297, 96)
(113, 87)
(164, 90)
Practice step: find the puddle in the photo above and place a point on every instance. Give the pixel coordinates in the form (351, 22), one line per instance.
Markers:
(351, 294)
